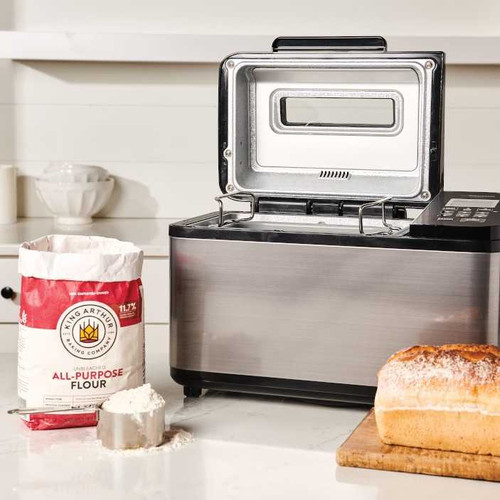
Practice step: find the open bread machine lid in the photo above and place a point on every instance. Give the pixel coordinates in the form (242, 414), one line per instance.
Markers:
(332, 118)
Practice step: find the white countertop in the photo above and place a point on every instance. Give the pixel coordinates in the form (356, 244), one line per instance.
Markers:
(149, 234)
(246, 447)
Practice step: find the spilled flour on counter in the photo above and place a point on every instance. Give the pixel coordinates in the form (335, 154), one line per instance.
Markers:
(174, 439)
(139, 400)
(91, 449)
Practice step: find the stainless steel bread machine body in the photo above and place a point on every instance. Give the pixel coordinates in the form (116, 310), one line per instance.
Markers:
(350, 250)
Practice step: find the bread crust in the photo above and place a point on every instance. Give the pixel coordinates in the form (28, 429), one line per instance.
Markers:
(445, 397)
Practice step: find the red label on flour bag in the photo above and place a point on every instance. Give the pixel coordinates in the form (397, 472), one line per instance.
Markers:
(81, 334)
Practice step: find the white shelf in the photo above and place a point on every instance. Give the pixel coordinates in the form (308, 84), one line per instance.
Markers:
(125, 47)
(165, 48)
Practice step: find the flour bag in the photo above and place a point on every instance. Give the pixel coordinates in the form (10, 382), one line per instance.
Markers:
(81, 331)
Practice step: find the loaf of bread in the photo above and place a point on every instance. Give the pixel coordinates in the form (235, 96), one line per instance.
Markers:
(445, 398)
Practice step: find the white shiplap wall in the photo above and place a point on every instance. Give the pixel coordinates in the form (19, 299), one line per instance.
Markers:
(281, 17)
(472, 122)
(154, 126)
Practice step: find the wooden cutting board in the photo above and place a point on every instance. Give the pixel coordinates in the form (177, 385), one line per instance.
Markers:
(363, 448)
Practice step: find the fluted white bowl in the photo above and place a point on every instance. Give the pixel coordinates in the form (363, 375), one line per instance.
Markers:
(74, 202)
(73, 172)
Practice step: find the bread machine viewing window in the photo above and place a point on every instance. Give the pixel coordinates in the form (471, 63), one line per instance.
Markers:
(338, 111)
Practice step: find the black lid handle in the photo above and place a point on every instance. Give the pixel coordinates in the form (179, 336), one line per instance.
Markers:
(334, 43)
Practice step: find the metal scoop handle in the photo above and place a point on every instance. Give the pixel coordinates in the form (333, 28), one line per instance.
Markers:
(28, 411)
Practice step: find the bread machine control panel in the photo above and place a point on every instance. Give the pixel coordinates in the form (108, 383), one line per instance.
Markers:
(459, 215)
(467, 210)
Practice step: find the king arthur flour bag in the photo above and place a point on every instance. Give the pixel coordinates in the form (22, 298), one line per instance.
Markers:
(81, 333)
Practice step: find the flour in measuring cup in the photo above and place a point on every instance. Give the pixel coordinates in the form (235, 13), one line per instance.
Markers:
(139, 400)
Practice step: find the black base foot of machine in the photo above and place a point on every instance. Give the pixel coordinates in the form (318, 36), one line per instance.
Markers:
(194, 382)
(192, 392)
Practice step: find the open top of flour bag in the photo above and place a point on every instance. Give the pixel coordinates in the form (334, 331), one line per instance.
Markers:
(69, 257)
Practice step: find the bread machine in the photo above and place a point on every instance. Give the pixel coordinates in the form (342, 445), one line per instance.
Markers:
(346, 249)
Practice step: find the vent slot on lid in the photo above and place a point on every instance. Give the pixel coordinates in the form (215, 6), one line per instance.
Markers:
(335, 174)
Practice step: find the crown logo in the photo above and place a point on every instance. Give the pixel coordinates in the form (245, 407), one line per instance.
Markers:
(89, 333)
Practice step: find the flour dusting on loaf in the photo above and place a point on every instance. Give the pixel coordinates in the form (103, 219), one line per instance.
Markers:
(469, 364)
(445, 397)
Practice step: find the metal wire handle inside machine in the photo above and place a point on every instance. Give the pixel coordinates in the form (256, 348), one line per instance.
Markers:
(241, 196)
(390, 228)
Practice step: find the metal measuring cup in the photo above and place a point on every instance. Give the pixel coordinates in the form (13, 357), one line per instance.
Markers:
(123, 431)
